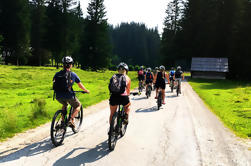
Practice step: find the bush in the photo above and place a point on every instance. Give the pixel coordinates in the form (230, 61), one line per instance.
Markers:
(38, 109)
(9, 122)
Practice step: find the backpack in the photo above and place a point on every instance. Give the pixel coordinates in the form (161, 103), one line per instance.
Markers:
(141, 72)
(149, 76)
(62, 81)
(172, 73)
(117, 84)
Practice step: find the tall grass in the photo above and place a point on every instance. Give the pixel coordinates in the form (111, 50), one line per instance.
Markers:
(26, 95)
(229, 100)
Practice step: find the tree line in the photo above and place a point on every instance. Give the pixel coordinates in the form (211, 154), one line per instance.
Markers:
(206, 28)
(41, 32)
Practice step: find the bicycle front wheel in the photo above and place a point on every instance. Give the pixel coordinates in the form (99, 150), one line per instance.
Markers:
(58, 128)
(78, 121)
(112, 136)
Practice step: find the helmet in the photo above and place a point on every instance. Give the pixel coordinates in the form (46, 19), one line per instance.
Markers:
(178, 68)
(123, 65)
(172, 68)
(162, 67)
(67, 60)
(156, 68)
(141, 67)
(149, 69)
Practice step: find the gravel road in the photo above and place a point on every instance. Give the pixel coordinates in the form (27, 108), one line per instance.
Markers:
(182, 133)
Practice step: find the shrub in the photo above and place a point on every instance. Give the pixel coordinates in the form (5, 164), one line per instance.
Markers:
(38, 108)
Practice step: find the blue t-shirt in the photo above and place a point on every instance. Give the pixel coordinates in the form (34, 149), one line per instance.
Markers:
(68, 95)
(171, 73)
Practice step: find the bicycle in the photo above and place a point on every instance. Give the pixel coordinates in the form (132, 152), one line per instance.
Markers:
(141, 87)
(148, 90)
(159, 99)
(60, 122)
(118, 126)
(178, 89)
(172, 85)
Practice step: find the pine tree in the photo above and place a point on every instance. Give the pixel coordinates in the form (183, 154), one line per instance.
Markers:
(96, 47)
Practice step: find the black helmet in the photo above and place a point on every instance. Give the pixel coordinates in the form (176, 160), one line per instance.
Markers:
(172, 68)
(67, 60)
(178, 68)
(123, 65)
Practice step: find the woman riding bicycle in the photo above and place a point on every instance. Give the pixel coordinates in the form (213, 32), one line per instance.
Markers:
(149, 77)
(160, 82)
(67, 96)
(123, 97)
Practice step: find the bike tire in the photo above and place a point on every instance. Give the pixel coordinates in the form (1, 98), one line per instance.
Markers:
(78, 120)
(112, 135)
(57, 125)
(177, 90)
(123, 126)
(159, 101)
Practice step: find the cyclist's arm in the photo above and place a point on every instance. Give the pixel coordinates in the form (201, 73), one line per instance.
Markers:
(168, 78)
(80, 85)
(183, 76)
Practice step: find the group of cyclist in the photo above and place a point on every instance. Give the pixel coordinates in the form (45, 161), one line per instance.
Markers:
(158, 77)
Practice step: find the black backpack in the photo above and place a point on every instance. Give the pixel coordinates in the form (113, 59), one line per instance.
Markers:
(62, 81)
(149, 76)
(117, 84)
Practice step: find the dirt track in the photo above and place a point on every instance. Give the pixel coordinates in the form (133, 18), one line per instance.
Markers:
(182, 133)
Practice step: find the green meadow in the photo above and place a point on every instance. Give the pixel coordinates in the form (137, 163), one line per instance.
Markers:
(26, 95)
(229, 100)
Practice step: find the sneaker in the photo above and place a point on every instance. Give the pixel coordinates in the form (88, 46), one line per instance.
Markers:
(163, 103)
(71, 123)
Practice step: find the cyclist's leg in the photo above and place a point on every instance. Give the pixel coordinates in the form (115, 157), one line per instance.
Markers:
(64, 106)
(126, 103)
(113, 109)
(75, 103)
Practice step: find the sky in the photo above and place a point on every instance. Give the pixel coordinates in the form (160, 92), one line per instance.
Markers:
(150, 12)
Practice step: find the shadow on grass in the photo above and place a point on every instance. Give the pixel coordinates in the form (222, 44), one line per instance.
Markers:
(91, 155)
(218, 84)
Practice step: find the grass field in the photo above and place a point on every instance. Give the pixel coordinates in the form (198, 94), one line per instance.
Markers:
(26, 95)
(229, 100)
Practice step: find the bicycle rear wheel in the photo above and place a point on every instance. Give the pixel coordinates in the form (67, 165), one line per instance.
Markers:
(78, 120)
(123, 126)
(58, 128)
(159, 101)
(178, 90)
(112, 136)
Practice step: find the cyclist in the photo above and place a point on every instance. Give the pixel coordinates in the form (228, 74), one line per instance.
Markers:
(160, 82)
(141, 75)
(123, 98)
(156, 70)
(149, 77)
(171, 76)
(178, 76)
(67, 96)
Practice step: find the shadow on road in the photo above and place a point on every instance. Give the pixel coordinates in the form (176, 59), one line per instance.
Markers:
(152, 109)
(92, 155)
(30, 150)
(140, 98)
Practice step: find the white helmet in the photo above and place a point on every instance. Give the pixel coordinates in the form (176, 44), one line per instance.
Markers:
(67, 60)
(162, 67)
(123, 65)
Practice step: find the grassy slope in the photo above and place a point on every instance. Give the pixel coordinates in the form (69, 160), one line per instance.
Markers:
(230, 100)
(25, 90)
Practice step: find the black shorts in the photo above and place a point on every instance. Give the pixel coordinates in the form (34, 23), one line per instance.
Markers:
(141, 77)
(149, 81)
(119, 100)
(171, 79)
(161, 85)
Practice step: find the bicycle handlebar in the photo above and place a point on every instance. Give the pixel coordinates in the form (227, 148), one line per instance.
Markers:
(134, 93)
(80, 92)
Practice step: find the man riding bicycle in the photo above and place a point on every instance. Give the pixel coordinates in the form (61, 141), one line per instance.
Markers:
(178, 76)
(171, 76)
(141, 76)
(62, 85)
(149, 77)
(160, 82)
(122, 97)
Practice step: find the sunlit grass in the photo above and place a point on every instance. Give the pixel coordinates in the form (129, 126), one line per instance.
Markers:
(26, 95)
(229, 100)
